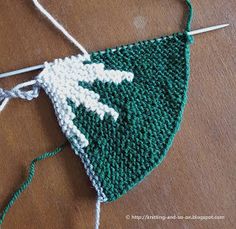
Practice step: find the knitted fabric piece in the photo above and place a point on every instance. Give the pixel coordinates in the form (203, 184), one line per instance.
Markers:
(135, 99)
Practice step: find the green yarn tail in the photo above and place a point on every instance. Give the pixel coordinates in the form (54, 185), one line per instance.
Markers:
(190, 16)
(28, 181)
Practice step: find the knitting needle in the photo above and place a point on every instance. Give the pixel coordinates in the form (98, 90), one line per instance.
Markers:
(204, 30)
(41, 66)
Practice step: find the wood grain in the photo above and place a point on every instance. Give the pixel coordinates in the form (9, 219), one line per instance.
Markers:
(198, 175)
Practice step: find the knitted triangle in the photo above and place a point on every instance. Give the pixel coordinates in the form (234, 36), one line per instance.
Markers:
(121, 108)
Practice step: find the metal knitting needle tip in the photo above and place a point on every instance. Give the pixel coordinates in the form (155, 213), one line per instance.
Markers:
(20, 71)
(208, 29)
(38, 67)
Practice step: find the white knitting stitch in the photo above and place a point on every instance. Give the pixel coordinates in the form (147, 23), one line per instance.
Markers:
(61, 80)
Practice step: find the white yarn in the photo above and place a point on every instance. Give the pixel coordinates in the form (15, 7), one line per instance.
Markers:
(98, 213)
(59, 26)
(16, 92)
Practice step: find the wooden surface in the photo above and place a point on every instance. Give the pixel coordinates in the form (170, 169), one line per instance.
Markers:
(198, 175)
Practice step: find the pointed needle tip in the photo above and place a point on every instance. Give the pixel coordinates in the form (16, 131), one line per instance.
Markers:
(224, 25)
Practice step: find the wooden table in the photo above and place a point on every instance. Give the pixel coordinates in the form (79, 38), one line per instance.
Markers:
(198, 175)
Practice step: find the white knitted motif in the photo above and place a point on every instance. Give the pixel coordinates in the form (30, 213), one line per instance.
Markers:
(61, 80)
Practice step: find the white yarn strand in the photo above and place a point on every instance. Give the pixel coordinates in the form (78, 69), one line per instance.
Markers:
(59, 26)
(98, 212)
(3, 104)
(6, 95)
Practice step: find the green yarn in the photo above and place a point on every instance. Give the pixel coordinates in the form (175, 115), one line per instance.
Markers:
(29, 179)
(190, 16)
(121, 153)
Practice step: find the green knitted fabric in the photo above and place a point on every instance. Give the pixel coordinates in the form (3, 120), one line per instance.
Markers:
(119, 108)
(121, 153)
